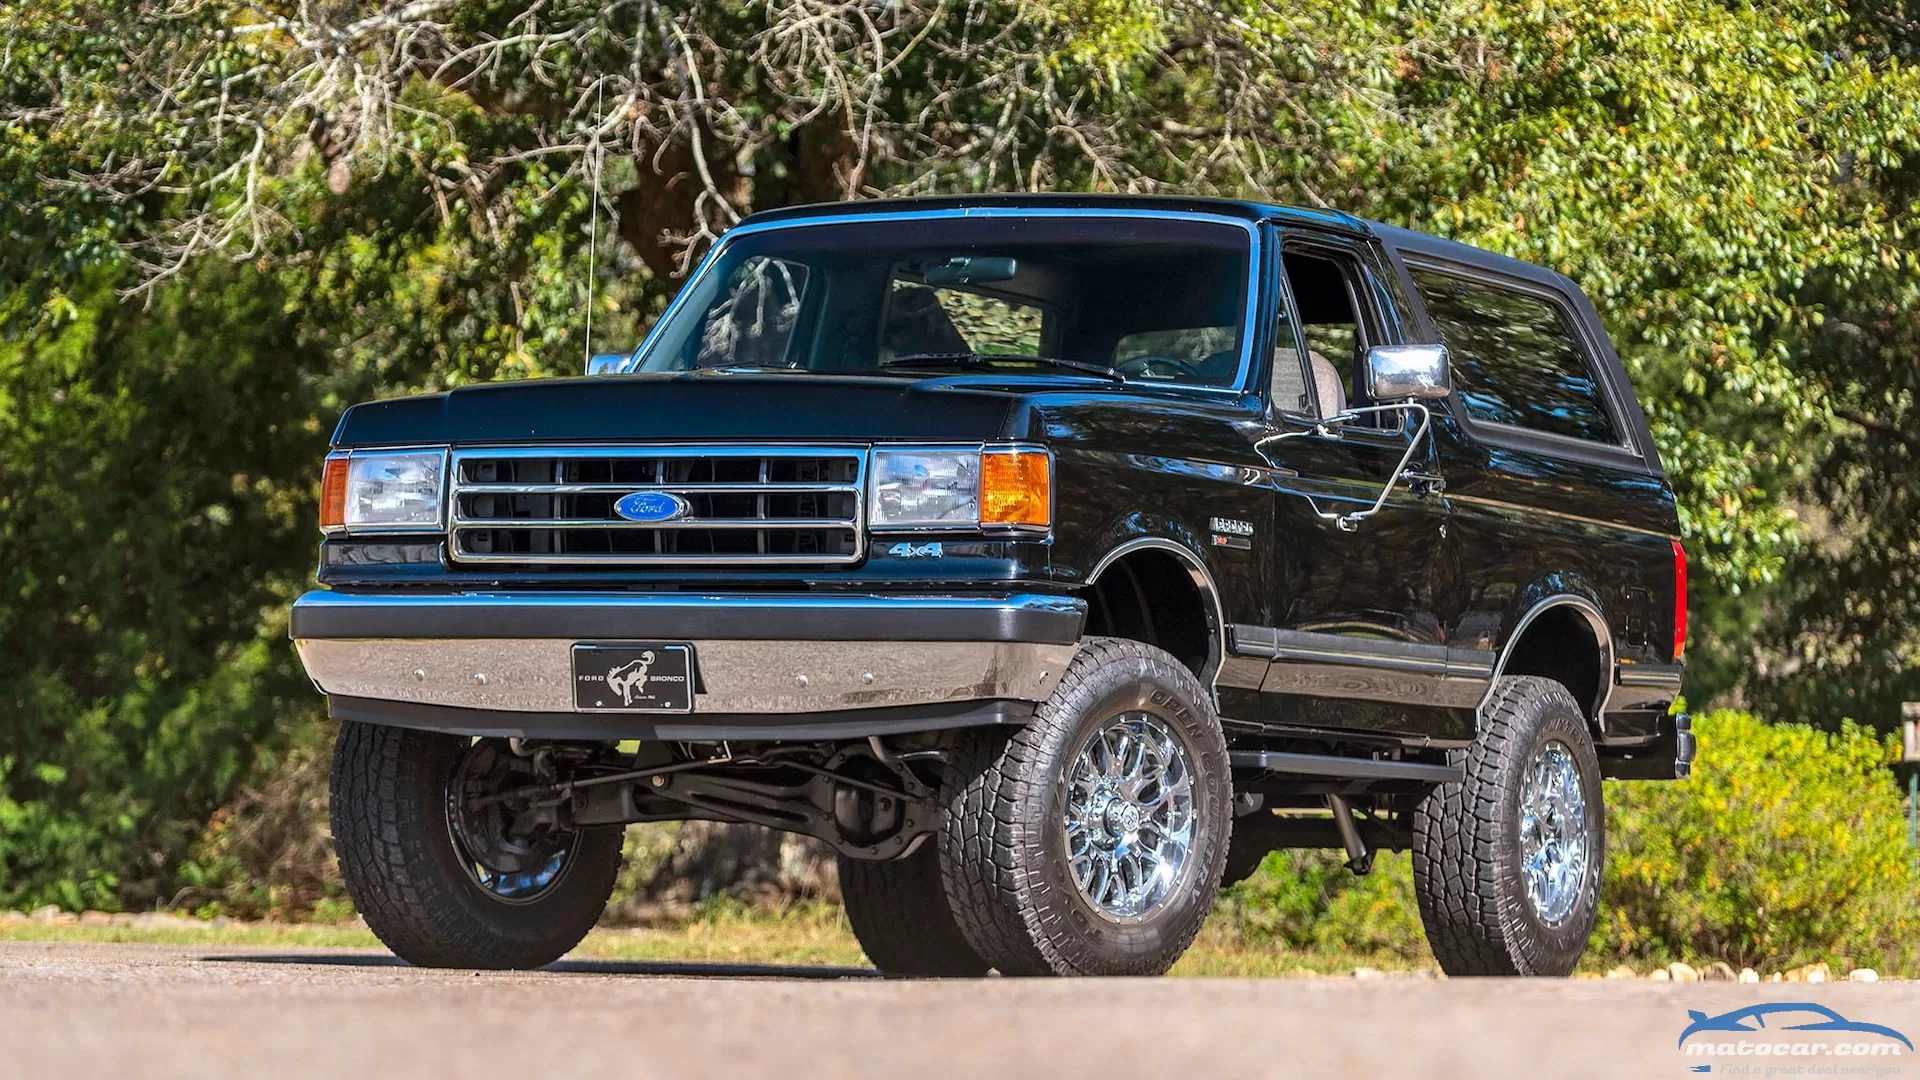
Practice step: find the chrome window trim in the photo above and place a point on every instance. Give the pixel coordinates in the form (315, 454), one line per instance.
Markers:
(454, 521)
(1255, 251)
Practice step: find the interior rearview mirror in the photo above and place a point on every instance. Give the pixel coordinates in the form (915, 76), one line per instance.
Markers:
(1408, 373)
(971, 270)
(608, 363)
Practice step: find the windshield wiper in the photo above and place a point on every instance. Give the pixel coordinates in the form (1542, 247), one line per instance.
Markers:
(990, 361)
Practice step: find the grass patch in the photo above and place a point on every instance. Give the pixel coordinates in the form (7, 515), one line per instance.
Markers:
(720, 933)
(730, 933)
(191, 933)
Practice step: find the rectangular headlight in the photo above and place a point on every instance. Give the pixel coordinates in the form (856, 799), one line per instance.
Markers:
(953, 488)
(383, 490)
(925, 488)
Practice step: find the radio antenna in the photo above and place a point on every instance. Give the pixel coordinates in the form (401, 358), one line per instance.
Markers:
(593, 221)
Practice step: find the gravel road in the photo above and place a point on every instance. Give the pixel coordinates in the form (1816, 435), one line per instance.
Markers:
(71, 1010)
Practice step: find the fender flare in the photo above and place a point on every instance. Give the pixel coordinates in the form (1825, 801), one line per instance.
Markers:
(1596, 620)
(1202, 580)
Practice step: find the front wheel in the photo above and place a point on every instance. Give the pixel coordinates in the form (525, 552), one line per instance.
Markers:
(446, 873)
(1092, 841)
(1507, 863)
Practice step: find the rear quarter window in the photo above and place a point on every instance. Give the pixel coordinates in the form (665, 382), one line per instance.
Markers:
(1516, 359)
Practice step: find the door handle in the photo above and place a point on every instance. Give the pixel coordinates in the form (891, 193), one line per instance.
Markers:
(1424, 485)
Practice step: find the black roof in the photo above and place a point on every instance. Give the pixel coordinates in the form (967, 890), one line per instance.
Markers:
(1405, 240)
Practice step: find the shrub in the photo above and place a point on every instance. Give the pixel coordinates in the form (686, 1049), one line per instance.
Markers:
(156, 475)
(268, 853)
(1787, 846)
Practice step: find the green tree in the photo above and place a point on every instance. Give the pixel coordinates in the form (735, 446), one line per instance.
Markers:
(260, 210)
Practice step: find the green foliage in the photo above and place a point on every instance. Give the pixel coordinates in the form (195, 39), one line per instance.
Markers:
(1308, 901)
(267, 853)
(157, 516)
(410, 201)
(1788, 846)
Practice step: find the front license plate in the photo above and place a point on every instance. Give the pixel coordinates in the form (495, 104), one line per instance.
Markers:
(642, 676)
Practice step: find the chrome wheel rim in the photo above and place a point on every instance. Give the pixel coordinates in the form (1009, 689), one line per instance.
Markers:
(1553, 833)
(1129, 815)
(510, 862)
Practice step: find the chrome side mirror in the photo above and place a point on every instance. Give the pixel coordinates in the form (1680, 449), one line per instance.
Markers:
(1408, 373)
(608, 363)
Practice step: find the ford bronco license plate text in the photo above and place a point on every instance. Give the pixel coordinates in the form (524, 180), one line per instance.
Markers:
(642, 676)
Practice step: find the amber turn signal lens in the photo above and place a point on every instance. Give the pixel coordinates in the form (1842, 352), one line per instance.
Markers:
(333, 492)
(1016, 488)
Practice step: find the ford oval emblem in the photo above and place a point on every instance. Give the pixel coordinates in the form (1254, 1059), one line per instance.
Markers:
(651, 506)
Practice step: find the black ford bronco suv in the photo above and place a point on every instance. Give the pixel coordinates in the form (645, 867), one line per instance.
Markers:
(1051, 559)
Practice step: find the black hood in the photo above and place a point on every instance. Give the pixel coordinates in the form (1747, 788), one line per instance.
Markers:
(710, 404)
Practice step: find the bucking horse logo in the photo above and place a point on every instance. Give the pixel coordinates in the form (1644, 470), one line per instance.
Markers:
(630, 679)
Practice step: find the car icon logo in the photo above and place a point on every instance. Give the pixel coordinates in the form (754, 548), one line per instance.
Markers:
(1812, 1017)
(651, 506)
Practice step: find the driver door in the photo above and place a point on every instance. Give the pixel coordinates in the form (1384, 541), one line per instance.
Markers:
(1358, 642)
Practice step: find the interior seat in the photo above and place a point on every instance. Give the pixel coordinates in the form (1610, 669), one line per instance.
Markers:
(1328, 391)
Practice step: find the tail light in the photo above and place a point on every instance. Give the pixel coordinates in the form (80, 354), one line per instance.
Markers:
(1679, 602)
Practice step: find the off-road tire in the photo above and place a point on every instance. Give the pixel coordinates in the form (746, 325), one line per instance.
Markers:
(1466, 842)
(1003, 849)
(899, 914)
(398, 859)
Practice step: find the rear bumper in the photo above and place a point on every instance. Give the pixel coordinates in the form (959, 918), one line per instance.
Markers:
(1668, 756)
(860, 664)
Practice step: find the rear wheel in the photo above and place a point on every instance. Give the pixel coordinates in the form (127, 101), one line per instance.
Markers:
(445, 872)
(1092, 841)
(1507, 864)
(899, 913)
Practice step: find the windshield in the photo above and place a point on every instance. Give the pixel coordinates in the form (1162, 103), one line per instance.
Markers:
(1152, 300)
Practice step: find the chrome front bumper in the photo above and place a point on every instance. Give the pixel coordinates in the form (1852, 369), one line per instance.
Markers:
(781, 654)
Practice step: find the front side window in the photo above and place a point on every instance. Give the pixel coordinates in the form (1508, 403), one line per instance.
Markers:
(1143, 299)
(1516, 359)
(1334, 330)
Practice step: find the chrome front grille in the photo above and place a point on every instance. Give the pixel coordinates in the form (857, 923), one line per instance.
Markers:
(555, 505)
